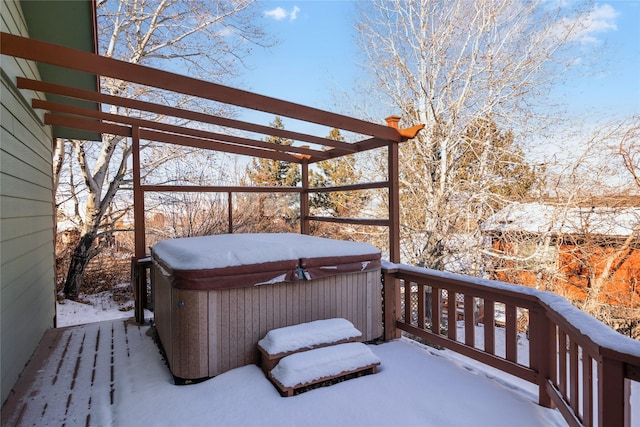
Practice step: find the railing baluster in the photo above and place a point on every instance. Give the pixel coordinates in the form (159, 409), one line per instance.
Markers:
(562, 362)
(489, 326)
(452, 314)
(435, 309)
(469, 321)
(573, 375)
(421, 313)
(407, 302)
(511, 332)
(587, 390)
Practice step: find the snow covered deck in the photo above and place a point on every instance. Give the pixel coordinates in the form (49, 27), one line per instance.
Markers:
(111, 373)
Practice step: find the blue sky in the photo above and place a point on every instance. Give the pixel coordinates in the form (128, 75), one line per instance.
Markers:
(317, 56)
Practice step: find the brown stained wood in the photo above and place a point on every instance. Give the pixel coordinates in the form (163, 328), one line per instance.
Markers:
(407, 302)
(391, 306)
(269, 361)
(452, 315)
(351, 187)
(436, 313)
(562, 362)
(163, 110)
(511, 333)
(469, 321)
(489, 326)
(421, 306)
(107, 67)
(562, 406)
(587, 390)
(182, 130)
(612, 393)
(342, 220)
(290, 391)
(393, 166)
(217, 189)
(573, 376)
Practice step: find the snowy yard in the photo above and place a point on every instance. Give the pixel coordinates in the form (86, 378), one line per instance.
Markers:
(415, 385)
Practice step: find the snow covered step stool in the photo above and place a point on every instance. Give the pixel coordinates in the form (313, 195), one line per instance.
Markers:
(300, 370)
(282, 342)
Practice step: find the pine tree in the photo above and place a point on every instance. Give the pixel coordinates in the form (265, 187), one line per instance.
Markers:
(267, 172)
(333, 173)
(275, 212)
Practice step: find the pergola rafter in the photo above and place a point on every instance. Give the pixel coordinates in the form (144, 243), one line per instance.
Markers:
(169, 131)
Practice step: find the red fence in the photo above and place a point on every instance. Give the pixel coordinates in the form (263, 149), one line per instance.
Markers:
(581, 366)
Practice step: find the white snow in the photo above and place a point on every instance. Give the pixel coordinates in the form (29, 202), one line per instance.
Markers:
(231, 250)
(415, 385)
(541, 218)
(312, 365)
(307, 335)
(597, 331)
(95, 308)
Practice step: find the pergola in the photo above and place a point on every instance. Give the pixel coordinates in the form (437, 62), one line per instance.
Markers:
(67, 113)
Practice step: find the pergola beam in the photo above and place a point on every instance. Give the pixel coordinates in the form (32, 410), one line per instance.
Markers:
(164, 127)
(341, 147)
(169, 138)
(36, 50)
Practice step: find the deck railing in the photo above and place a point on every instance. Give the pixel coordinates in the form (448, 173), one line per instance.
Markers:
(581, 366)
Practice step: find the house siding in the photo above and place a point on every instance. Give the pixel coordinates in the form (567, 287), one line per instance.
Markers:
(27, 279)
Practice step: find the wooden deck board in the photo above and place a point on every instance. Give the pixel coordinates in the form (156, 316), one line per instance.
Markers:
(72, 377)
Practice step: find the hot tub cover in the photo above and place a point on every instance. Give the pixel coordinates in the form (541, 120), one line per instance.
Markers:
(235, 260)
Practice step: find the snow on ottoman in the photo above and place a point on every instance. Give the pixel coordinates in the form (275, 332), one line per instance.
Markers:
(300, 370)
(281, 342)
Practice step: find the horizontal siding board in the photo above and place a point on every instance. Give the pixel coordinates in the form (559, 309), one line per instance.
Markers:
(12, 228)
(16, 168)
(18, 267)
(31, 134)
(10, 146)
(12, 19)
(13, 207)
(22, 329)
(24, 190)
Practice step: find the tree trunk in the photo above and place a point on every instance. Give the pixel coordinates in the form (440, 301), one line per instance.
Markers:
(79, 261)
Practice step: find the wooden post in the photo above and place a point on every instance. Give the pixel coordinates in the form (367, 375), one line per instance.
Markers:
(230, 210)
(304, 199)
(391, 306)
(138, 272)
(541, 352)
(611, 393)
(138, 197)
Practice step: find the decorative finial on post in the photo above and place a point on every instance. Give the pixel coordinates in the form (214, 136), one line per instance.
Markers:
(392, 121)
(408, 133)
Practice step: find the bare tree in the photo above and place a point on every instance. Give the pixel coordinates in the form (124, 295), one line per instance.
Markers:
(204, 39)
(452, 66)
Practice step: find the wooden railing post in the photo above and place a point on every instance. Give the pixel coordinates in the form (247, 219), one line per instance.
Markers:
(391, 306)
(542, 352)
(304, 199)
(230, 211)
(611, 393)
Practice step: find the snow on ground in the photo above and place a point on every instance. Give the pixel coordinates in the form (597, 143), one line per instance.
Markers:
(415, 385)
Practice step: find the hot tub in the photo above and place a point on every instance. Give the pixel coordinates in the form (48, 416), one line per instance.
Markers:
(215, 297)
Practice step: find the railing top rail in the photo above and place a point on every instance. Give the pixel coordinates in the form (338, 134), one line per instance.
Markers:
(593, 335)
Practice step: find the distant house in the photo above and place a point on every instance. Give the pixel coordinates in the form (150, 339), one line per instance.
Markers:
(567, 249)
(27, 211)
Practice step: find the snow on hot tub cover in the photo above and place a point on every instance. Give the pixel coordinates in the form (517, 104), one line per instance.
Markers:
(236, 260)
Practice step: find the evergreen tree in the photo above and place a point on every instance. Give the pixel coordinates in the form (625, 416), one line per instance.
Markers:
(267, 172)
(333, 173)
